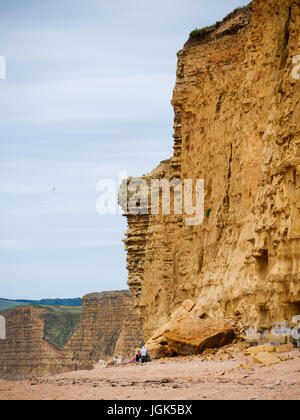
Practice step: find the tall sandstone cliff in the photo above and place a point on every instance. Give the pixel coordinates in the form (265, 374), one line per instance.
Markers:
(109, 326)
(24, 352)
(237, 126)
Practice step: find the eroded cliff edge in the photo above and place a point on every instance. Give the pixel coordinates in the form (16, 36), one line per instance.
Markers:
(237, 126)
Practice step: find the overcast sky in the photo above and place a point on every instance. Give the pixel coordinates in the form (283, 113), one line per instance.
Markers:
(87, 94)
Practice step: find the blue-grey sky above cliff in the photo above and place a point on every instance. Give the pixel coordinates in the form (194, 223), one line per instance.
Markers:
(88, 91)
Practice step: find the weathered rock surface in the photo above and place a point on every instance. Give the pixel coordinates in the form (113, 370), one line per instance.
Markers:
(109, 326)
(187, 334)
(266, 358)
(284, 348)
(24, 353)
(252, 351)
(237, 126)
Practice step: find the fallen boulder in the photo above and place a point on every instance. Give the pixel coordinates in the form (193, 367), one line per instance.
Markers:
(266, 358)
(252, 351)
(187, 334)
(284, 348)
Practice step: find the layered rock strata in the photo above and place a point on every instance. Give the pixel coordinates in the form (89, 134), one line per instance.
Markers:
(237, 126)
(109, 327)
(24, 353)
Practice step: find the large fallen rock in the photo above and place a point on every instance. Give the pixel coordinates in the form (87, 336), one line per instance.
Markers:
(266, 358)
(284, 348)
(252, 351)
(188, 334)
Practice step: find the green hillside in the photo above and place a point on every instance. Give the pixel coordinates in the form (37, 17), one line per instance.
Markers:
(60, 323)
(9, 303)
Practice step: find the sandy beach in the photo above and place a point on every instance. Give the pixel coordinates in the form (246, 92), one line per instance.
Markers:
(187, 378)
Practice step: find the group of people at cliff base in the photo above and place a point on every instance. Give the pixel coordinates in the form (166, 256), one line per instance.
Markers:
(142, 355)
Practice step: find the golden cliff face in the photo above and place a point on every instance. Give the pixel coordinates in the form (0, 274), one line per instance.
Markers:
(24, 353)
(237, 126)
(109, 326)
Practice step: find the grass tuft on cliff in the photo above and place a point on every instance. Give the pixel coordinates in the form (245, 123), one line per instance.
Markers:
(60, 323)
(196, 32)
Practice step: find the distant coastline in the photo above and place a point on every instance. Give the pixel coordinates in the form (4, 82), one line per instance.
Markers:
(12, 303)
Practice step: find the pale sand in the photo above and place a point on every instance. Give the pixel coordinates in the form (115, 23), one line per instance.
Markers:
(170, 379)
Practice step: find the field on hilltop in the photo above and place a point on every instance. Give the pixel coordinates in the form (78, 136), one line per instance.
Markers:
(8, 304)
(11, 303)
(60, 323)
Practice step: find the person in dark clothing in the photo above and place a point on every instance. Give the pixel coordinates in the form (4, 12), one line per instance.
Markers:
(138, 356)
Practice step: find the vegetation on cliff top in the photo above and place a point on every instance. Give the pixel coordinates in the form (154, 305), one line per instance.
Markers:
(197, 32)
(9, 303)
(60, 323)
